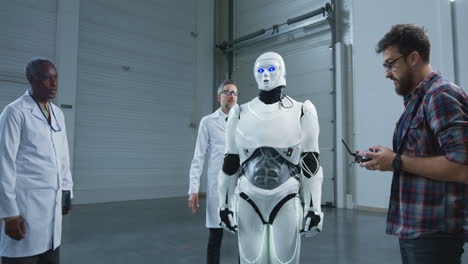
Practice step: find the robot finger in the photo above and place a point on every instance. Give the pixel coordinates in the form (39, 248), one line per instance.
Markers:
(307, 224)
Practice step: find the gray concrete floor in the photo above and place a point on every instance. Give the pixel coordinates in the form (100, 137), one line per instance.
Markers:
(164, 231)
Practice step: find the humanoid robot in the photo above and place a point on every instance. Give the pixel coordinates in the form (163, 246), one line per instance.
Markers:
(271, 180)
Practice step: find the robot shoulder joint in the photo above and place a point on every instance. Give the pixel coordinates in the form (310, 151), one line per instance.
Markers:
(309, 108)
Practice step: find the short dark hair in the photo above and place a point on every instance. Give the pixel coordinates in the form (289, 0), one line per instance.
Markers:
(407, 38)
(224, 83)
(32, 67)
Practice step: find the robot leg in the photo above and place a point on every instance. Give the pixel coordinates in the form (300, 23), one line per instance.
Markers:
(285, 238)
(252, 232)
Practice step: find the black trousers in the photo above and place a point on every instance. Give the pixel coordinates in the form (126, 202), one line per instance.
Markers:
(432, 250)
(214, 245)
(48, 257)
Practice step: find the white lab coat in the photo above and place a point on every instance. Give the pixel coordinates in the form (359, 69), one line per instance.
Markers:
(34, 169)
(210, 144)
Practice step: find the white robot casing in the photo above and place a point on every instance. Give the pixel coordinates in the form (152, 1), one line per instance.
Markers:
(290, 128)
(268, 80)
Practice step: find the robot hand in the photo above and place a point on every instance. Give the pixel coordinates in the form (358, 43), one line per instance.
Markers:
(312, 223)
(228, 220)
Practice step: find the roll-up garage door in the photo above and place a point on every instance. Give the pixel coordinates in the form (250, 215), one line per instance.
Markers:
(308, 58)
(27, 30)
(135, 99)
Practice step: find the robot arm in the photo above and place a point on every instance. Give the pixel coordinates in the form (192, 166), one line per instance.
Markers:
(312, 174)
(229, 174)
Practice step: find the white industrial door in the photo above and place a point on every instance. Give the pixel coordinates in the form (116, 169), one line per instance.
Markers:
(135, 98)
(27, 30)
(308, 58)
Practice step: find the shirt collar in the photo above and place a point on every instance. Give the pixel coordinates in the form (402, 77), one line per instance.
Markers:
(221, 114)
(423, 86)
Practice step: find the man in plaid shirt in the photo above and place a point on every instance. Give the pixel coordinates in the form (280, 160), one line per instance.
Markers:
(428, 209)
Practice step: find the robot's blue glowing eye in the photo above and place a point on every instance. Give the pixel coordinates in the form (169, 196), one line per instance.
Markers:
(272, 69)
(260, 70)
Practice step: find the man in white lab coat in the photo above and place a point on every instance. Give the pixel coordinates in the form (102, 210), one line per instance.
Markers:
(34, 171)
(210, 145)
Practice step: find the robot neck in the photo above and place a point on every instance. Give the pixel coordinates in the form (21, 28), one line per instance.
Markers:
(272, 96)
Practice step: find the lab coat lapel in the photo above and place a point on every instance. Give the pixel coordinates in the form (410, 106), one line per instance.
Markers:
(221, 119)
(29, 103)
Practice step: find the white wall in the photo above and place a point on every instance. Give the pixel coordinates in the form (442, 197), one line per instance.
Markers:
(461, 23)
(205, 85)
(28, 29)
(205, 59)
(376, 105)
(66, 54)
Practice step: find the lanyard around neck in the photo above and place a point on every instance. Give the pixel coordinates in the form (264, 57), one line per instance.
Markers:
(51, 112)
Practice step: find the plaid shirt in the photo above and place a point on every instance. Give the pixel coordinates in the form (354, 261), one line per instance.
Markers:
(435, 123)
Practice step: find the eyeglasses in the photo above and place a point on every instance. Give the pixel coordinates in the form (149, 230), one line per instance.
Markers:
(226, 92)
(389, 65)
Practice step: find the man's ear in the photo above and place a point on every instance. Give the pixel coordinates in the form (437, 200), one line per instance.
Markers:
(415, 58)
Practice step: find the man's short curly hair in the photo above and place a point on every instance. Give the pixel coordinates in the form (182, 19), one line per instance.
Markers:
(407, 38)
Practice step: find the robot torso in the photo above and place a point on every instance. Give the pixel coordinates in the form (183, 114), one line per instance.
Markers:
(268, 137)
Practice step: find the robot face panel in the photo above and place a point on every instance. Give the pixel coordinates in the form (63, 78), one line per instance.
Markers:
(269, 71)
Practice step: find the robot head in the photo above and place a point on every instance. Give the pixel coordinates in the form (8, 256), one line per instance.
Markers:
(269, 71)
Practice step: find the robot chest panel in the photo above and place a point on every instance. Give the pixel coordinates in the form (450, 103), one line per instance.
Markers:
(280, 129)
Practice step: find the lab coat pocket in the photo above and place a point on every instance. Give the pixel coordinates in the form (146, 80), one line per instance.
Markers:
(40, 209)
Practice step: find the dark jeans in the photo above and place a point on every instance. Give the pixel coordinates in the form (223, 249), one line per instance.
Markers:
(432, 250)
(48, 257)
(214, 245)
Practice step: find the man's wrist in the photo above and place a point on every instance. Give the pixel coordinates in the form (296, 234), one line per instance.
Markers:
(397, 163)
